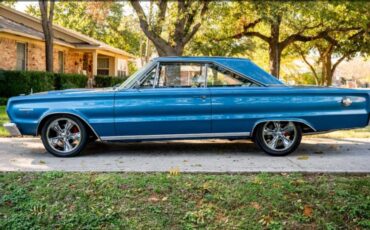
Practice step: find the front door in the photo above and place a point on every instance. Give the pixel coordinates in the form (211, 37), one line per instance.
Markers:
(171, 101)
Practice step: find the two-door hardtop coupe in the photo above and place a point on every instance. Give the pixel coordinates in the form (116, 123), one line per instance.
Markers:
(188, 98)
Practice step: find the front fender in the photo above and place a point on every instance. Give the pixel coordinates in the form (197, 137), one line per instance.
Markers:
(71, 112)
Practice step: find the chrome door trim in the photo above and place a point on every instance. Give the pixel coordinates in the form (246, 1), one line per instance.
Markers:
(174, 136)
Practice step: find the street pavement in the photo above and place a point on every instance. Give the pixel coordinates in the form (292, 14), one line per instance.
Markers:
(214, 156)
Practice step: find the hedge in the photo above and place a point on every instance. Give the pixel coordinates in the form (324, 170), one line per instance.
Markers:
(14, 83)
(70, 81)
(107, 81)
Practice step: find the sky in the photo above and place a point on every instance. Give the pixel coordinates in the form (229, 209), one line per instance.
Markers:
(21, 5)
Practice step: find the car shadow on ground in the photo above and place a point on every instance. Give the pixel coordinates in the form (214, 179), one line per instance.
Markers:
(32, 147)
(172, 147)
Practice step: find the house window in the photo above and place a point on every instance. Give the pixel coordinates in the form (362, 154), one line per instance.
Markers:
(121, 68)
(21, 56)
(103, 66)
(61, 61)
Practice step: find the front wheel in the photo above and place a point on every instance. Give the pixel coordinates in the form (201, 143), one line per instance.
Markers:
(64, 136)
(278, 138)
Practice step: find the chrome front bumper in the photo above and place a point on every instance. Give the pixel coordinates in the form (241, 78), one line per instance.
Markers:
(12, 129)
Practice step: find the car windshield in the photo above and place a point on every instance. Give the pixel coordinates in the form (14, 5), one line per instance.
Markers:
(132, 78)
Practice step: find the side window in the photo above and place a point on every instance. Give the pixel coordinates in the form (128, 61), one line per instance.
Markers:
(148, 80)
(181, 75)
(220, 77)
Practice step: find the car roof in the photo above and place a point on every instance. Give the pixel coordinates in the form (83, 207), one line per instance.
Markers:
(242, 66)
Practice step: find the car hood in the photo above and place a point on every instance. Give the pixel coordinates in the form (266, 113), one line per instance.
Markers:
(64, 93)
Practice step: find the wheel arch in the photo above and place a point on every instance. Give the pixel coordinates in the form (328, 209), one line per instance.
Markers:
(45, 117)
(306, 126)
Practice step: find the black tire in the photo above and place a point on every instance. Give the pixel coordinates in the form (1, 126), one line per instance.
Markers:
(259, 140)
(83, 137)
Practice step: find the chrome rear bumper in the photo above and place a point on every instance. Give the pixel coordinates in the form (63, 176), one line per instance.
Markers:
(12, 129)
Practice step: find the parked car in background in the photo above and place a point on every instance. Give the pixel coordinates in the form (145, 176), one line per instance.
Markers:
(189, 98)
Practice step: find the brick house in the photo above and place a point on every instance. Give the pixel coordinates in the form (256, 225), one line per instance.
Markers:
(22, 48)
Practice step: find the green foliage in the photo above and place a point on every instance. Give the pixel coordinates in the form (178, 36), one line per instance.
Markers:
(108, 81)
(3, 119)
(14, 83)
(132, 68)
(3, 100)
(186, 201)
(209, 41)
(104, 21)
(8, 3)
(301, 79)
(68, 81)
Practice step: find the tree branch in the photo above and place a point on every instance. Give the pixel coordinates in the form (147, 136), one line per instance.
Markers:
(300, 52)
(196, 27)
(155, 38)
(247, 33)
(338, 62)
(162, 5)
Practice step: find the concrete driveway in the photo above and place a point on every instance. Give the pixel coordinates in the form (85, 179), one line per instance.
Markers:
(314, 155)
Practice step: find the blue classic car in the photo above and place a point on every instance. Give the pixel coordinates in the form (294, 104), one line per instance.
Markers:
(188, 98)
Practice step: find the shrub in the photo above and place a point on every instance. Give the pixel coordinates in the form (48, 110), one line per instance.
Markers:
(14, 83)
(3, 100)
(68, 81)
(107, 81)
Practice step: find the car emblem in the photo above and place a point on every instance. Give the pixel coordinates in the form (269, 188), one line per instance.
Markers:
(346, 101)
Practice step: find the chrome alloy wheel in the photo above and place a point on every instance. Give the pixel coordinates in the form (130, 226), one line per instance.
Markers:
(63, 135)
(279, 135)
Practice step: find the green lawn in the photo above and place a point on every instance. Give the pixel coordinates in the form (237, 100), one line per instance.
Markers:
(3, 119)
(57, 200)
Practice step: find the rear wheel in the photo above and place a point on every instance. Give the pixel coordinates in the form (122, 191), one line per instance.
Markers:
(278, 138)
(64, 136)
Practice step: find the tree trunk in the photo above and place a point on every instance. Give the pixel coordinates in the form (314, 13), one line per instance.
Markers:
(167, 50)
(47, 13)
(274, 58)
(327, 73)
(274, 48)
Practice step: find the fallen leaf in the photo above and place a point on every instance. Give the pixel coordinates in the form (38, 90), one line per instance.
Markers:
(304, 157)
(265, 220)
(318, 152)
(124, 186)
(307, 211)
(185, 161)
(255, 205)
(165, 198)
(42, 162)
(153, 199)
(174, 171)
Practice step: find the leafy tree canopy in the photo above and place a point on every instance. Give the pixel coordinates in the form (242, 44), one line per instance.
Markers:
(102, 20)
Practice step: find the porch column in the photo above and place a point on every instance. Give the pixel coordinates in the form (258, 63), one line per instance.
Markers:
(95, 63)
(126, 66)
(115, 66)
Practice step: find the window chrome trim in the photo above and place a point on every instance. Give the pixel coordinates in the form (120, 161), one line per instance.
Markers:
(175, 136)
(156, 78)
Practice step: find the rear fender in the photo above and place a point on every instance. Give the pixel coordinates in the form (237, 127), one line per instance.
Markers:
(296, 120)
